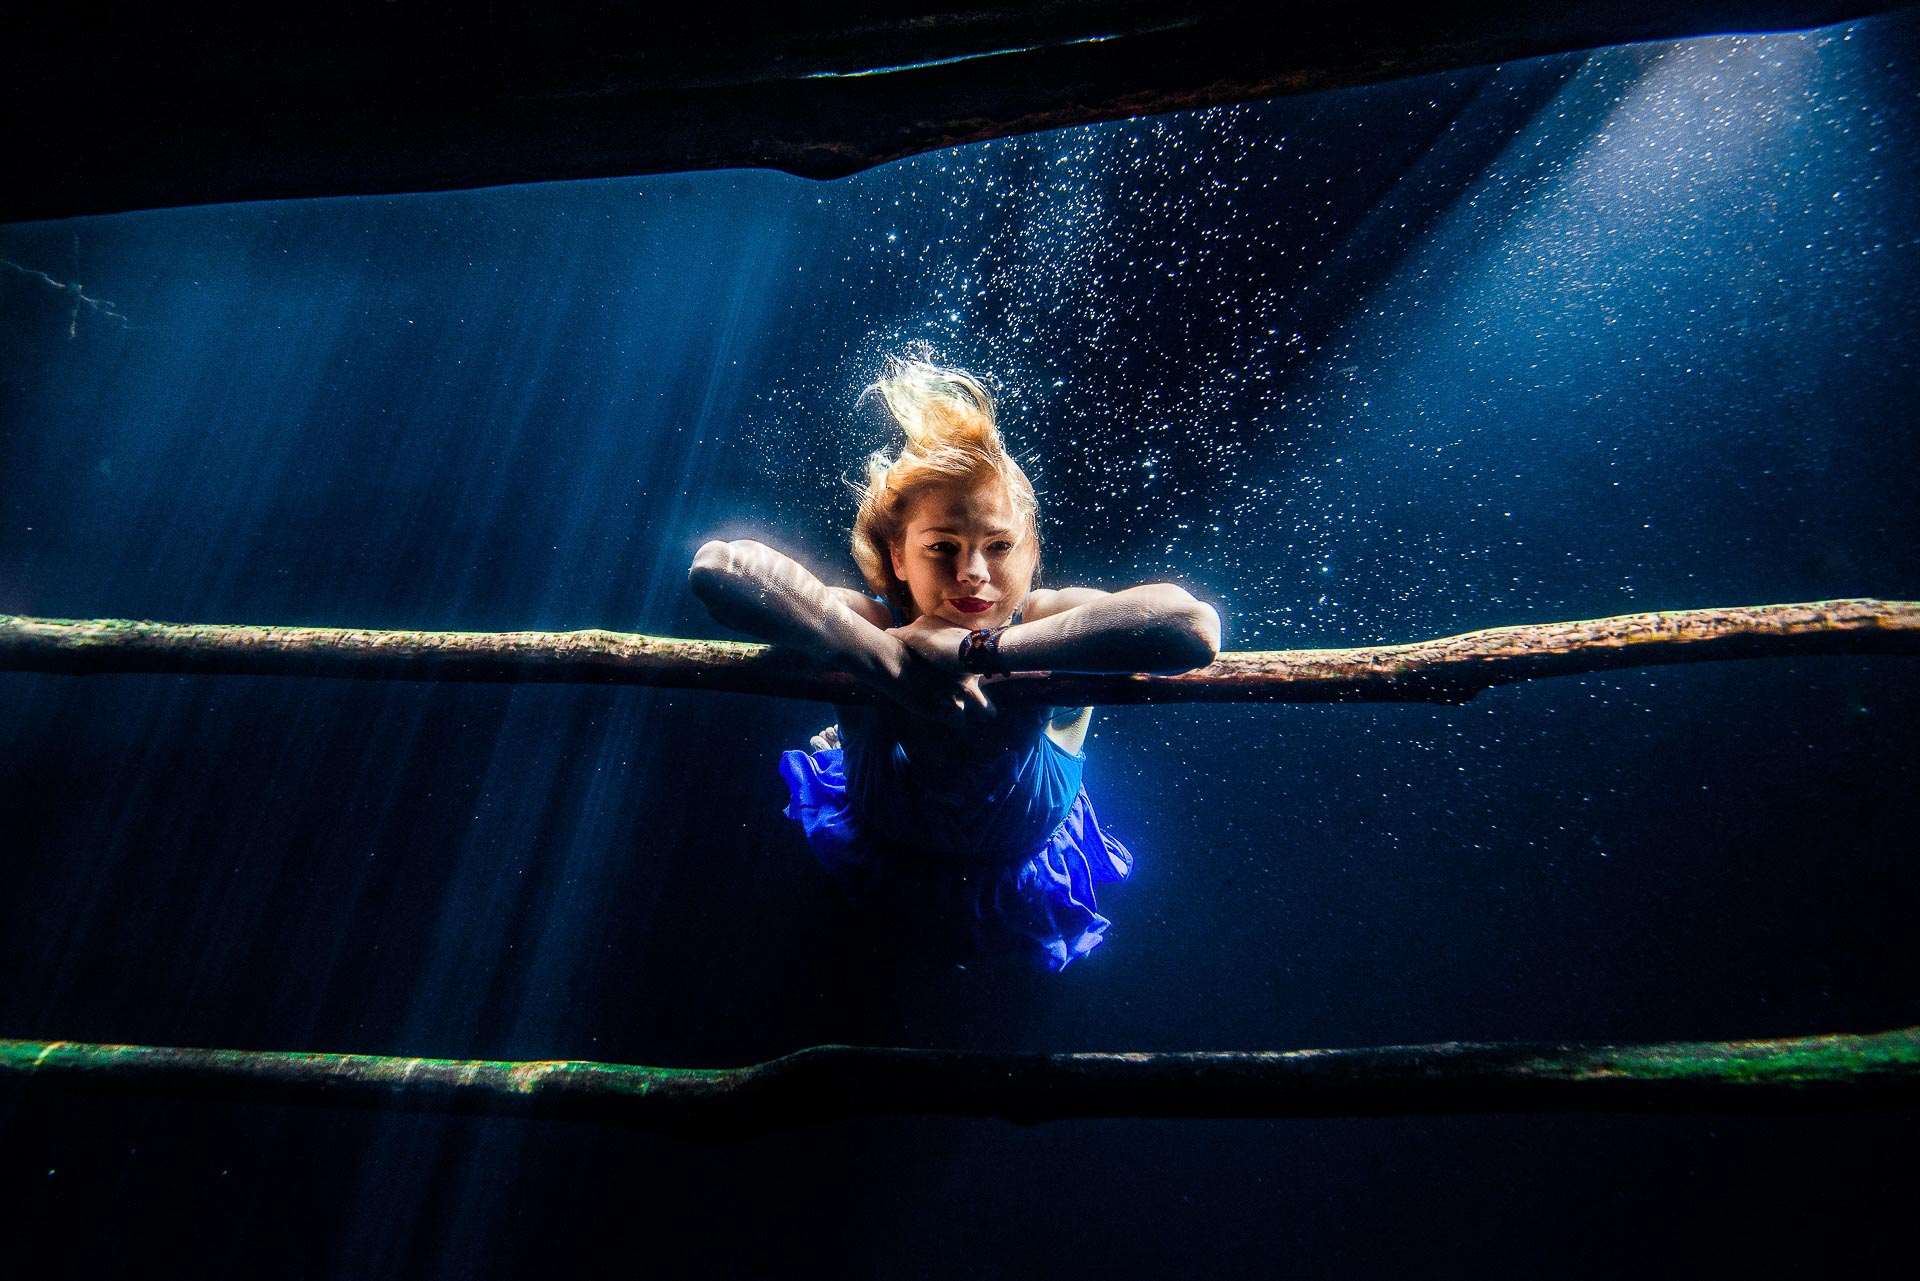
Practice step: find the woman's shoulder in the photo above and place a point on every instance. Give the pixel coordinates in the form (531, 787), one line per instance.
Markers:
(1066, 728)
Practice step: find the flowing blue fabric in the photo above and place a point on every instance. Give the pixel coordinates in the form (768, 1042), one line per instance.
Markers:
(1037, 893)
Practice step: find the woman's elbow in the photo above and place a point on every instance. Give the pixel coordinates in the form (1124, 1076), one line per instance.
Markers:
(709, 564)
(716, 564)
(1192, 626)
(1201, 637)
(1206, 626)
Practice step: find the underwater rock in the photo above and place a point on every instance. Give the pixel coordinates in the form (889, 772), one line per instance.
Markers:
(157, 108)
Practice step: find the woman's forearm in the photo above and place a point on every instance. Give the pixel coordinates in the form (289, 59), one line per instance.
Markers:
(752, 588)
(1157, 628)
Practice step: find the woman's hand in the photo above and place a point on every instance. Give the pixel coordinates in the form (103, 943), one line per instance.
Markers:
(932, 640)
(930, 683)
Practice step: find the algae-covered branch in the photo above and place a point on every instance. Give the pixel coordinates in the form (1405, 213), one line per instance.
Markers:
(1449, 669)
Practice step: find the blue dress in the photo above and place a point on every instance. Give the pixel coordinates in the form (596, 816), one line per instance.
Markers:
(992, 828)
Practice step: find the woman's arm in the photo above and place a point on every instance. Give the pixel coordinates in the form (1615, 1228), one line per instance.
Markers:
(1157, 628)
(752, 588)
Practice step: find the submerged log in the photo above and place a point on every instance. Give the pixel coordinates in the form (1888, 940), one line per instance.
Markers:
(170, 106)
(1451, 669)
(833, 1082)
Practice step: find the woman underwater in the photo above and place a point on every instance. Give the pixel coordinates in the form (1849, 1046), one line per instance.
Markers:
(936, 803)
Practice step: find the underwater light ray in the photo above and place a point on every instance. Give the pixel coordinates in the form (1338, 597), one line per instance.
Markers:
(1575, 303)
(1327, 307)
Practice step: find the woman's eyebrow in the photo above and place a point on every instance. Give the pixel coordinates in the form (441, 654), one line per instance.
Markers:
(942, 529)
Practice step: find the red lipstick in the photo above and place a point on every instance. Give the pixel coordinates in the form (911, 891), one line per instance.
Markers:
(971, 604)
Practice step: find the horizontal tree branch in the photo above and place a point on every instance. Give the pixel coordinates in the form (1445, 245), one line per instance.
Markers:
(1451, 669)
(832, 1082)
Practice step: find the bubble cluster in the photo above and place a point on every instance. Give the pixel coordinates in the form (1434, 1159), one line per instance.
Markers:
(1343, 360)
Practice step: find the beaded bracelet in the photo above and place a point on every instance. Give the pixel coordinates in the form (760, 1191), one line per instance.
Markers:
(980, 652)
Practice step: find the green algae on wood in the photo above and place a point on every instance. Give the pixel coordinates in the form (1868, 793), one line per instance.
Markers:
(1800, 1061)
(543, 1086)
(827, 1083)
(1448, 669)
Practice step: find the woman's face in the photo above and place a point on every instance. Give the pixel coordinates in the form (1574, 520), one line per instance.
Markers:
(965, 555)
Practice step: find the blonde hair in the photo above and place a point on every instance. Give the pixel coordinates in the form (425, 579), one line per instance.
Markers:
(952, 437)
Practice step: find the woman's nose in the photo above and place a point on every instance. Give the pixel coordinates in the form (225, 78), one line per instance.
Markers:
(973, 568)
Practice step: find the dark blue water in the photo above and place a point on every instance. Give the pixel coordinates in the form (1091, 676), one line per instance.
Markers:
(1581, 336)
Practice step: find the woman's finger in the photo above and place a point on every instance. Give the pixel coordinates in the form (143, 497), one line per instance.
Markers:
(978, 697)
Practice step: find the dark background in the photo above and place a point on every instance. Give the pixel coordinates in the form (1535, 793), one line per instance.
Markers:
(1588, 335)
